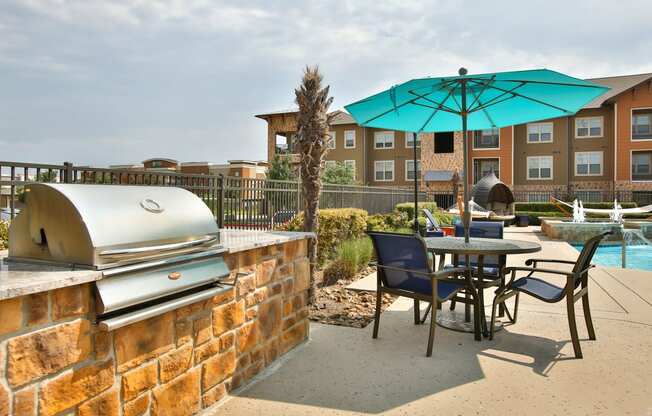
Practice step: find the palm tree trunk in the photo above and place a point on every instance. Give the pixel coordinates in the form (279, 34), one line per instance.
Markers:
(312, 138)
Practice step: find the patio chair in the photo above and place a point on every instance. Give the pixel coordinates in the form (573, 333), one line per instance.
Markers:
(432, 225)
(577, 278)
(492, 264)
(404, 270)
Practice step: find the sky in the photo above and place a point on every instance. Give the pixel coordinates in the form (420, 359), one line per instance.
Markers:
(116, 82)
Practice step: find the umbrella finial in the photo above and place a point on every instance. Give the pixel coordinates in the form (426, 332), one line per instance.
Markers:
(462, 71)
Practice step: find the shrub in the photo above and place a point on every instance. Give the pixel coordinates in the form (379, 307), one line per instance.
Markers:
(408, 207)
(535, 215)
(335, 226)
(377, 222)
(4, 235)
(356, 253)
(337, 270)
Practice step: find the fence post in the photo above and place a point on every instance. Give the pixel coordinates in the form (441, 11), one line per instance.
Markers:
(298, 196)
(220, 204)
(67, 173)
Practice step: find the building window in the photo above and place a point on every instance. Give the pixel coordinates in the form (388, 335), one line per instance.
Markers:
(157, 164)
(588, 163)
(445, 142)
(349, 139)
(329, 164)
(486, 139)
(384, 140)
(409, 140)
(350, 164)
(384, 170)
(586, 127)
(409, 170)
(483, 167)
(642, 124)
(539, 167)
(332, 143)
(539, 132)
(281, 144)
(642, 166)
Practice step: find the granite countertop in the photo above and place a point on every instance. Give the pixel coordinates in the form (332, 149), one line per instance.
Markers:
(19, 279)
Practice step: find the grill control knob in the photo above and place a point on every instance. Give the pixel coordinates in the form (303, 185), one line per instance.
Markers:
(174, 275)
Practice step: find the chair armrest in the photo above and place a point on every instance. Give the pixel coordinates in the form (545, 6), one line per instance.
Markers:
(535, 261)
(442, 274)
(538, 269)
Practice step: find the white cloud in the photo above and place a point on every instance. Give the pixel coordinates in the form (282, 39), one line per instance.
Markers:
(119, 81)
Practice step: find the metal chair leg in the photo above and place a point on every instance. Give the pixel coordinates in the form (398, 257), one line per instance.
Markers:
(572, 324)
(379, 297)
(501, 305)
(452, 307)
(431, 335)
(516, 307)
(587, 316)
(417, 312)
(425, 315)
(493, 318)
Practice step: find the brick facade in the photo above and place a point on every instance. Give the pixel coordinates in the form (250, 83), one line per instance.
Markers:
(54, 360)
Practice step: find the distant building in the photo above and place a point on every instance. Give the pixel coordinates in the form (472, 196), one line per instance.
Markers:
(239, 168)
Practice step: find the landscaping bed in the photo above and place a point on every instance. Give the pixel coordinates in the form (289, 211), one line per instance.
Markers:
(336, 305)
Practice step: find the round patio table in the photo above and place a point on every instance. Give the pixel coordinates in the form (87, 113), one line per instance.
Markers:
(479, 247)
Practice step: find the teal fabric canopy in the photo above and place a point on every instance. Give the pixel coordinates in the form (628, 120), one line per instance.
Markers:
(492, 100)
(473, 102)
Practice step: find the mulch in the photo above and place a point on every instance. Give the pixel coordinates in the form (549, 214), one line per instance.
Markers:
(335, 305)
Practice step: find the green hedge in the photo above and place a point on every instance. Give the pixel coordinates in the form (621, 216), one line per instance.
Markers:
(408, 208)
(335, 226)
(549, 207)
(535, 215)
(4, 235)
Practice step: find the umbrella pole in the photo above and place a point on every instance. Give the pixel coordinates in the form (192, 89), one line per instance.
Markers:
(466, 216)
(416, 186)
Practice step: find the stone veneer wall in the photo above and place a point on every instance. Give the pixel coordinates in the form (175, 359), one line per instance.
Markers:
(53, 360)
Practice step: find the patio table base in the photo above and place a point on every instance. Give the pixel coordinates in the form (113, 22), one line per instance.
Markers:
(454, 320)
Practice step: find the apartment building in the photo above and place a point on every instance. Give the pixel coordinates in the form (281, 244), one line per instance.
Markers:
(377, 157)
(606, 146)
(240, 168)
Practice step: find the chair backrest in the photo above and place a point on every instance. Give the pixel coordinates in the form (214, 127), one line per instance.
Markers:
(587, 253)
(483, 229)
(403, 251)
(433, 224)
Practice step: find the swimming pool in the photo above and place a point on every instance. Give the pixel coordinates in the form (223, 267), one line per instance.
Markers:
(638, 256)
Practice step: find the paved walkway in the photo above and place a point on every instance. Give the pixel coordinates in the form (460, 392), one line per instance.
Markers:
(529, 368)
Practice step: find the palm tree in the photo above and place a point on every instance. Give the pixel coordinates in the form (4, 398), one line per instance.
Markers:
(312, 137)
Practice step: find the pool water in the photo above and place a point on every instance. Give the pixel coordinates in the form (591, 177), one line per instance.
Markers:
(638, 256)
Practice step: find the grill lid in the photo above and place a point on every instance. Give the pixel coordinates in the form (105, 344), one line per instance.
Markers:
(104, 226)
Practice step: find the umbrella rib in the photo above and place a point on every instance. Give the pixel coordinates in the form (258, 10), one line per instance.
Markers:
(480, 105)
(565, 84)
(484, 87)
(446, 109)
(497, 98)
(531, 99)
(436, 110)
(394, 108)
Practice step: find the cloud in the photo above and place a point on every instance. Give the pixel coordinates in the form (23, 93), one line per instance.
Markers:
(107, 82)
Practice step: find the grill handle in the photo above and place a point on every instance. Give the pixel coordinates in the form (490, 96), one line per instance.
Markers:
(162, 247)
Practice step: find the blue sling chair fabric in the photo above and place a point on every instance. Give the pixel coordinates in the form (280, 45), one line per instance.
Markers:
(483, 229)
(404, 270)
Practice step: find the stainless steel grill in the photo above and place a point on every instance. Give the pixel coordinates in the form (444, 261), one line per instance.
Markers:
(158, 247)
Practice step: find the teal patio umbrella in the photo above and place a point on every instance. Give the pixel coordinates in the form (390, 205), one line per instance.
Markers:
(473, 102)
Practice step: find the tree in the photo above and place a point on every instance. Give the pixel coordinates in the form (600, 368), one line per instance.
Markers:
(312, 137)
(340, 174)
(280, 169)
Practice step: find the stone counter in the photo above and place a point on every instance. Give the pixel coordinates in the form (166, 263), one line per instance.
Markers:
(54, 360)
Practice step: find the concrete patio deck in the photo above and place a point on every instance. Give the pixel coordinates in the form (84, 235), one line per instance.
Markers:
(529, 368)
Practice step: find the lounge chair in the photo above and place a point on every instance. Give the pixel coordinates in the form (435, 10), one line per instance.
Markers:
(432, 226)
(404, 270)
(578, 278)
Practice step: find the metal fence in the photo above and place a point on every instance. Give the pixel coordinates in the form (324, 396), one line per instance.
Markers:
(236, 202)
(257, 203)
